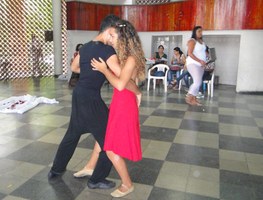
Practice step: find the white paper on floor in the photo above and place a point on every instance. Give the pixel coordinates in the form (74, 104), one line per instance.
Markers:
(21, 104)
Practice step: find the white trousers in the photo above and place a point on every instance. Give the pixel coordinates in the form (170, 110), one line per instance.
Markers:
(196, 72)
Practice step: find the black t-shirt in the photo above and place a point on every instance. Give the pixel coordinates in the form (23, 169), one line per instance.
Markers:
(88, 77)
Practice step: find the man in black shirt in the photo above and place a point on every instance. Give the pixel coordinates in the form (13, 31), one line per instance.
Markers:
(89, 113)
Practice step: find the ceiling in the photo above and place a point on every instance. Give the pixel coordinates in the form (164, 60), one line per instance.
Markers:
(126, 2)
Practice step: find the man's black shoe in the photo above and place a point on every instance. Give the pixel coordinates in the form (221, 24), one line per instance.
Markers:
(53, 175)
(105, 184)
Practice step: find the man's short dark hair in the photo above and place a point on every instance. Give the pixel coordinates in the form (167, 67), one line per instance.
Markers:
(108, 22)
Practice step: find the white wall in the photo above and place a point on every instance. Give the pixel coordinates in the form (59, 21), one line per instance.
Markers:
(227, 48)
(250, 69)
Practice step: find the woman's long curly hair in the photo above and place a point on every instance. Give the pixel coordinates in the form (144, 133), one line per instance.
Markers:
(129, 44)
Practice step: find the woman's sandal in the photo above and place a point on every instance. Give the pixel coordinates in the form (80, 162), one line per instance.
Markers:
(198, 103)
(170, 86)
(84, 172)
(118, 193)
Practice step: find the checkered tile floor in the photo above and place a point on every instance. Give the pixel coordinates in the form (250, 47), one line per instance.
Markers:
(198, 153)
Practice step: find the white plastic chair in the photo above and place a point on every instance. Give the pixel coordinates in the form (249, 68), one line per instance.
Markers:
(159, 67)
(210, 85)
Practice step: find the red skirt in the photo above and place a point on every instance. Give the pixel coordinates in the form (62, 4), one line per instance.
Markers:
(123, 129)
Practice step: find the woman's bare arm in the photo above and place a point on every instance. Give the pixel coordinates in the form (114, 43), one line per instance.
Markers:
(75, 65)
(114, 65)
(125, 74)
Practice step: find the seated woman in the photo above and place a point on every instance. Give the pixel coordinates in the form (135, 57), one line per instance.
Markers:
(178, 59)
(209, 69)
(185, 75)
(160, 58)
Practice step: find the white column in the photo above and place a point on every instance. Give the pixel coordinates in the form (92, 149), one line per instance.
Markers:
(57, 36)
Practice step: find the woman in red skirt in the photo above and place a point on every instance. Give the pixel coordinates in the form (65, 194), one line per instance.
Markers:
(123, 131)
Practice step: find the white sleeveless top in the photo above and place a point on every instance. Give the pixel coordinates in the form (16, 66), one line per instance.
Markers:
(199, 52)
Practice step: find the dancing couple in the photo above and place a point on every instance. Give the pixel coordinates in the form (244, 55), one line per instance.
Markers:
(117, 133)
